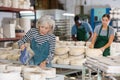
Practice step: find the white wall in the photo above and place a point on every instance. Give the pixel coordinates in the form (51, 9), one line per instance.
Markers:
(72, 6)
(111, 3)
(6, 14)
(101, 4)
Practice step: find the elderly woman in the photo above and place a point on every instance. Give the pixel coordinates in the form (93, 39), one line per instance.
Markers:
(42, 41)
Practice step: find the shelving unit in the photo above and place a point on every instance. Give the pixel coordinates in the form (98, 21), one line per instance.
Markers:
(8, 9)
(115, 15)
(62, 29)
(116, 26)
(8, 39)
(12, 10)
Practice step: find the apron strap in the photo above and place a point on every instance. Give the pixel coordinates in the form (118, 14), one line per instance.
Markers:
(101, 29)
(108, 31)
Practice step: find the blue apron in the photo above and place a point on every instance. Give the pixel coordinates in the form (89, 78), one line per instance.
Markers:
(41, 51)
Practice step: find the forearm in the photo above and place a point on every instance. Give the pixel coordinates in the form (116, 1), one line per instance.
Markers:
(51, 50)
(109, 42)
(43, 64)
(107, 45)
(90, 35)
(93, 41)
(22, 41)
(74, 38)
(51, 53)
(49, 58)
(28, 36)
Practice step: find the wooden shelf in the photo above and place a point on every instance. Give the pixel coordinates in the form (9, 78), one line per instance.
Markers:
(9, 39)
(16, 10)
(9, 9)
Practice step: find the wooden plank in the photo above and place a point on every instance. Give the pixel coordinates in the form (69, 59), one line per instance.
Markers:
(9, 9)
(9, 39)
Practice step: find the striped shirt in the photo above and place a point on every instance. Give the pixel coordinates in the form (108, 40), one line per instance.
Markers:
(40, 39)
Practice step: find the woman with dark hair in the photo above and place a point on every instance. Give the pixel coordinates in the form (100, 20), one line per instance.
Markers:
(103, 36)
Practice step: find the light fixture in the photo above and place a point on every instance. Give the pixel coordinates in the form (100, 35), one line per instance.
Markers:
(85, 2)
(68, 14)
(26, 12)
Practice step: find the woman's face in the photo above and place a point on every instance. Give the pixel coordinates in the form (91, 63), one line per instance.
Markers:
(105, 21)
(44, 29)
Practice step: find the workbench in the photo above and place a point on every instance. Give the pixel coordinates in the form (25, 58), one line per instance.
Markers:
(58, 77)
(70, 69)
(103, 66)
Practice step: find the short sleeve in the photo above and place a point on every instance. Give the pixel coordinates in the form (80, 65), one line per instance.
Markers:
(97, 28)
(87, 26)
(111, 32)
(74, 30)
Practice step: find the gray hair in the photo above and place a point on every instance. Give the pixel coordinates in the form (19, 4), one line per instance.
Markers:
(46, 19)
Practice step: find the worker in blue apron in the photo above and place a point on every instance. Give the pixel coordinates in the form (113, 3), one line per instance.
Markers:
(41, 52)
(42, 42)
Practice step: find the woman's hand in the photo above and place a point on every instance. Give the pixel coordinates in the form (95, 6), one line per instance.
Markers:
(43, 64)
(22, 47)
(91, 46)
(102, 49)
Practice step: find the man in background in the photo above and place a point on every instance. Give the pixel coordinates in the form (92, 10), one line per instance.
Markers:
(81, 30)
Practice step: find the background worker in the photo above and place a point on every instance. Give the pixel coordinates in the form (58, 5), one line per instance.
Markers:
(81, 30)
(103, 36)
